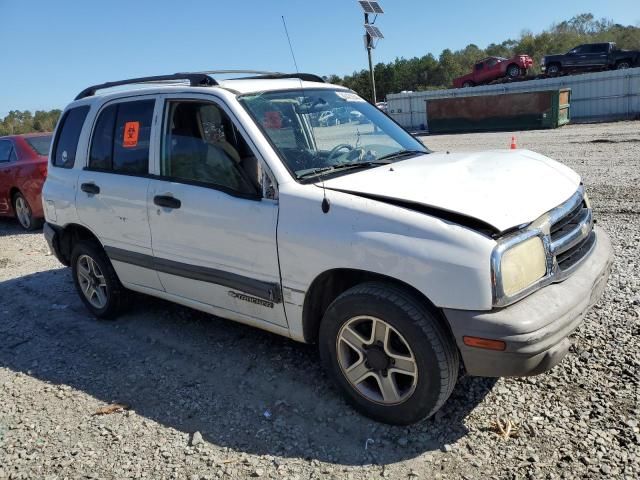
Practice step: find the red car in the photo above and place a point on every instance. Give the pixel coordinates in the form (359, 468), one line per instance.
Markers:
(493, 68)
(23, 169)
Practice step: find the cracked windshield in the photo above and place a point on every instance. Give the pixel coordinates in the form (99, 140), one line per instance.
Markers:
(322, 132)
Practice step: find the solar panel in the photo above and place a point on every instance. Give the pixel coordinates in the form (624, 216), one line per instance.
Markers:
(376, 7)
(370, 6)
(374, 32)
(366, 6)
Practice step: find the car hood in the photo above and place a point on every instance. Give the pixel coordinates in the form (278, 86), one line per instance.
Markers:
(501, 188)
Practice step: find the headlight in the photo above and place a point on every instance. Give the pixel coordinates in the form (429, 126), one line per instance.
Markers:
(522, 265)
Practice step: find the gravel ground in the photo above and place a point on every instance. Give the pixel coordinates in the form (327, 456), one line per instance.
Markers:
(212, 399)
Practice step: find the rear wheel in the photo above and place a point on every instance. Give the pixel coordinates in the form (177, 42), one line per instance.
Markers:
(553, 70)
(513, 71)
(388, 353)
(623, 65)
(24, 215)
(467, 84)
(96, 280)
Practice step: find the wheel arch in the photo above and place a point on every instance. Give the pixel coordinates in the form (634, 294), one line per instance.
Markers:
(330, 284)
(70, 234)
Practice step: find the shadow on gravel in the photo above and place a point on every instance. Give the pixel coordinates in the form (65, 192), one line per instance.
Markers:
(10, 226)
(240, 387)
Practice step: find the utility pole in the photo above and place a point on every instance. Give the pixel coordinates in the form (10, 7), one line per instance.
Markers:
(369, 48)
(372, 33)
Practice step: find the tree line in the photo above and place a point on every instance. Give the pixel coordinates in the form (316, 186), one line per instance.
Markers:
(430, 73)
(17, 122)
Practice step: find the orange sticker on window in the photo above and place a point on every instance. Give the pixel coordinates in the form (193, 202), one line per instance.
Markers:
(272, 119)
(131, 132)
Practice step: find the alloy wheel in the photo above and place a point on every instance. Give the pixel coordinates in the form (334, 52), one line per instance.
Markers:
(376, 360)
(23, 212)
(92, 282)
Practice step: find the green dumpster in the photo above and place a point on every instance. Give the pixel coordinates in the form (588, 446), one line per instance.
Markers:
(509, 111)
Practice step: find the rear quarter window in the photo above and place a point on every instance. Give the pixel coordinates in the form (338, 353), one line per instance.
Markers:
(67, 137)
(40, 144)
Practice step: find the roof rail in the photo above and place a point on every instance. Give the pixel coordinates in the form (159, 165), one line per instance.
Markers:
(307, 77)
(257, 74)
(195, 80)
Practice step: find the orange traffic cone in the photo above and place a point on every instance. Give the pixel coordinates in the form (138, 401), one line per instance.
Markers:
(513, 143)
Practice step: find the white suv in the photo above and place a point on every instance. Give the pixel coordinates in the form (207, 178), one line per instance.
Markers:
(400, 263)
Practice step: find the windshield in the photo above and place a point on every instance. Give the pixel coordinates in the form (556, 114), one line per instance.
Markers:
(40, 144)
(320, 132)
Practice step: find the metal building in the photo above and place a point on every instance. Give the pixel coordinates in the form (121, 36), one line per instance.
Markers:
(595, 97)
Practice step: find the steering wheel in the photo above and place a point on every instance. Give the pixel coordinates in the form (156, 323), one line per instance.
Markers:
(334, 151)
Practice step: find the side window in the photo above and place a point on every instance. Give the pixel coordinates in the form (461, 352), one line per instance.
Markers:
(6, 149)
(202, 146)
(121, 138)
(479, 66)
(67, 137)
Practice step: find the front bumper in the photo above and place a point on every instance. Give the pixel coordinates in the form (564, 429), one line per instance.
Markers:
(535, 329)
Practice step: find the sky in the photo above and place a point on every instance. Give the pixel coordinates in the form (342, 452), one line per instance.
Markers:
(51, 50)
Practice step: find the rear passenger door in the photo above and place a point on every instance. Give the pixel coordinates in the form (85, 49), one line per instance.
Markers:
(112, 188)
(213, 229)
(599, 54)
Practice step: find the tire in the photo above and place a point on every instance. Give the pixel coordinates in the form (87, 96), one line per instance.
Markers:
(553, 70)
(513, 71)
(24, 214)
(102, 279)
(414, 335)
(467, 84)
(623, 65)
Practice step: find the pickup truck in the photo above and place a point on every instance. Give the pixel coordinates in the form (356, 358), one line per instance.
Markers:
(494, 68)
(590, 56)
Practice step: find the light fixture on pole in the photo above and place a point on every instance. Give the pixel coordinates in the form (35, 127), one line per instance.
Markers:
(372, 35)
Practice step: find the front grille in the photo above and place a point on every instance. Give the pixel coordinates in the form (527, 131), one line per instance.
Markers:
(571, 233)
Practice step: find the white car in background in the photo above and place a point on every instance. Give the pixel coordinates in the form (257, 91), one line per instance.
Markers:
(400, 263)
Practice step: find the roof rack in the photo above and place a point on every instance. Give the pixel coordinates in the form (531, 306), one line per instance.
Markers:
(195, 80)
(199, 79)
(307, 77)
(257, 74)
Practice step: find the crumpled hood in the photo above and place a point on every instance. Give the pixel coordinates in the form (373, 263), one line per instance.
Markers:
(503, 188)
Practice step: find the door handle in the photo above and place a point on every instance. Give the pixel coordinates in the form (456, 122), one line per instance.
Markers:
(90, 188)
(167, 201)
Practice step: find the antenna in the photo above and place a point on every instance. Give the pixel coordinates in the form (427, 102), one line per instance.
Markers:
(326, 206)
(286, 31)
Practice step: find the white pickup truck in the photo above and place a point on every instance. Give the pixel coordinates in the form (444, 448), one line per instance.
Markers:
(402, 264)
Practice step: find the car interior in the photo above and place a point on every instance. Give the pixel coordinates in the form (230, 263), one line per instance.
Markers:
(203, 145)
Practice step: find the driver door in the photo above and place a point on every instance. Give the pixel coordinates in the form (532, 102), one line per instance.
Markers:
(213, 229)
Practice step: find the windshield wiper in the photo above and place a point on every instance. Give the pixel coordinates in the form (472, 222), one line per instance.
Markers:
(340, 166)
(401, 153)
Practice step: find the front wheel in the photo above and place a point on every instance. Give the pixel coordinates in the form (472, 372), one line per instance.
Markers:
(96, 280)
(467, 84)
(388, 353)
